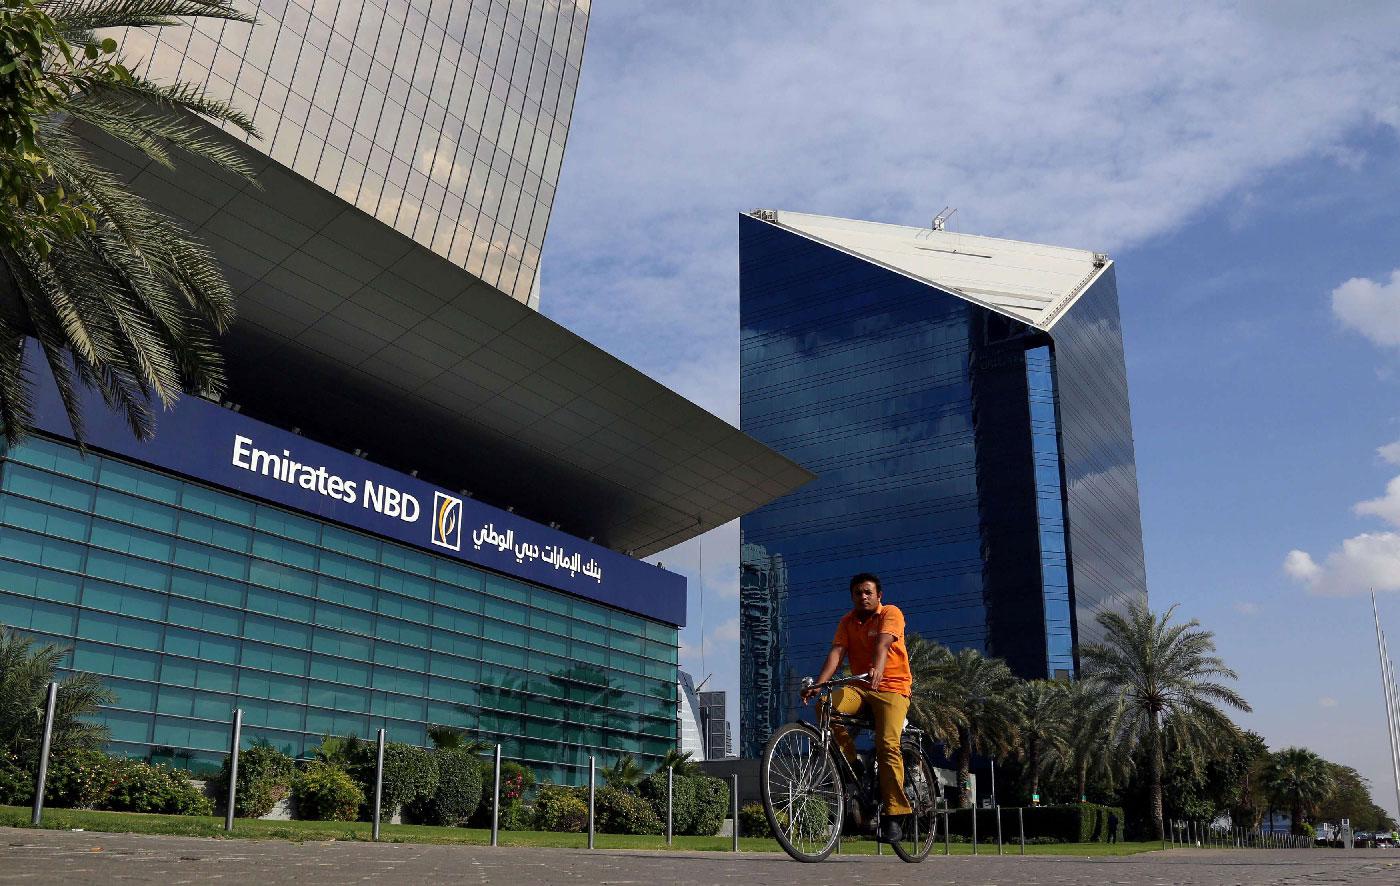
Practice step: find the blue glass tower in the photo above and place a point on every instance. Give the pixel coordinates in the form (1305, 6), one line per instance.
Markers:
(963, 402)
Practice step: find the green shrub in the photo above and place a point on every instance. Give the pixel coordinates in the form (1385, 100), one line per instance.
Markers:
(410, 779)
(753, 821)
(85, 779)
(622, 812)
(324, 792)
(516, 816)
(711, 806)
(699, 803)
(79, 779)
(458, 791)
(143, 787)
(560, 809)
(16, 783)
(264, 779)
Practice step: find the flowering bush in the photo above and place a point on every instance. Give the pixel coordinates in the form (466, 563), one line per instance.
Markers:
(87, 779)
(16, 782)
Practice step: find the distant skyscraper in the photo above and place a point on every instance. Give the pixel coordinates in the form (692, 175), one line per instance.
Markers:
(445, 120)
(691, 733)
(762, 604)
(964, 403)
(714, 723)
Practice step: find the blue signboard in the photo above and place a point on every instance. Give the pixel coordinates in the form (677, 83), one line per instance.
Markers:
(208, 443)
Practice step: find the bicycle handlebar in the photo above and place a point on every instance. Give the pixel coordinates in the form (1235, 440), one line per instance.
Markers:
(809, 683)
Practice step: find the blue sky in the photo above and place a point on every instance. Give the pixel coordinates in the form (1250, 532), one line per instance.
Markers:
(1240, 163)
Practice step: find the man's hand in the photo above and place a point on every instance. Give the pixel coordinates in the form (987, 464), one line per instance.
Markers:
(809, 693)
(875, 678)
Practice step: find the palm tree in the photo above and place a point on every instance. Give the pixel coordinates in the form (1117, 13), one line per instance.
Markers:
(679, 762)
(1088, 747)
(452, 738)
(1046, 716)
(932, 702)
(978, 696)
(117, 295)
(624, 775)
(26, 671)
(1300, 780)
(1164, 682)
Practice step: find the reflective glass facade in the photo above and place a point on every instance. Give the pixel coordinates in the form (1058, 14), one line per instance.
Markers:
(444, 119)
(936, 428)
(1100, 467)
(194, 601)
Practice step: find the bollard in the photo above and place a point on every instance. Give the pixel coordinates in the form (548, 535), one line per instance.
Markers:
(592, 785)
(998, 810)
(973, 810)
(233, 766)
(734, 806)
(1021, 822)
(47, 740)
(378, 783)
(947, 832)
(670, 787)
(496, 800)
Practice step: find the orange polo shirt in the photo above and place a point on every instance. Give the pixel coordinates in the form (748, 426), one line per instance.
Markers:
(860, 638)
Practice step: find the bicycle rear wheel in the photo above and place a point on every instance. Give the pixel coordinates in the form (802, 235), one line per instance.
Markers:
(802, 794)
(921, 827)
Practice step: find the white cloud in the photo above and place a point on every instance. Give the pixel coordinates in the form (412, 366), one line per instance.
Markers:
(1390, 452)
(1370, 308)
(1300, 565)
(1035, 127)
(1363, 562)
(1387, 507)
(1327, 701)
(1244, 607)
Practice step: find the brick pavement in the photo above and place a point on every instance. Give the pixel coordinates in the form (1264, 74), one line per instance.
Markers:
(28, 856)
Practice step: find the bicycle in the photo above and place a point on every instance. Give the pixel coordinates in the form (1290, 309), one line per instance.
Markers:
(810, 788)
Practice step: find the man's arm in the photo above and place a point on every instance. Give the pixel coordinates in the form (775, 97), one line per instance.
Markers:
(882, 652)
(833, 661)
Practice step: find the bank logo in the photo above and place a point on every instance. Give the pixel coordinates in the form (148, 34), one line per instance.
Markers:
(447, 521)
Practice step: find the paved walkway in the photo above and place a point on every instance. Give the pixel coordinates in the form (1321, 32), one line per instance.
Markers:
(28, 856)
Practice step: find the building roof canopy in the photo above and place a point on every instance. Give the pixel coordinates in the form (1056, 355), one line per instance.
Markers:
(356, 335)
(1031, 282)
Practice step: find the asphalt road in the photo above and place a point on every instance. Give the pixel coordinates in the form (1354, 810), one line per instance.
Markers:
(28, 856)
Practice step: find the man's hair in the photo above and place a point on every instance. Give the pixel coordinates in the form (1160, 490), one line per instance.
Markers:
(861, 578)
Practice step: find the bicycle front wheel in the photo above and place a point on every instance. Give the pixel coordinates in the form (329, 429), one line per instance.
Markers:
(920, 828)
(802, 794)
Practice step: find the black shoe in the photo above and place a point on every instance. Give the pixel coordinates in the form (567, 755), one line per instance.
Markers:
(890, 831)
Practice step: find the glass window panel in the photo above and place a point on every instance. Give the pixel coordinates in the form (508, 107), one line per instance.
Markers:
(147, 484)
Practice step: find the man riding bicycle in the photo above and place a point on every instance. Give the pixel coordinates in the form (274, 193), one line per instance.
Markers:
(871, 636)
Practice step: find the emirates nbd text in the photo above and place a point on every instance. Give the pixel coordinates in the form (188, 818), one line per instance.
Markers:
(383, 499)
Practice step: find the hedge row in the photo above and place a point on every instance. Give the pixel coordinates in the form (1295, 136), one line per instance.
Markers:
(1070, 823)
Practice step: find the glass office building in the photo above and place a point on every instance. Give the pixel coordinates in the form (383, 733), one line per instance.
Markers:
(194, 601)
(483, 569)
(963, 403)
(445, 120)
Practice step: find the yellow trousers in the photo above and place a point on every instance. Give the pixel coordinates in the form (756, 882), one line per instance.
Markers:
(888, 710)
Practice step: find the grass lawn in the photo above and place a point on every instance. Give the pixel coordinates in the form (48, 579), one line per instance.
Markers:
(256, 829)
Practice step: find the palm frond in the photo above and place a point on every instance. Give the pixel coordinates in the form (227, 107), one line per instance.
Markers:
(77, 19)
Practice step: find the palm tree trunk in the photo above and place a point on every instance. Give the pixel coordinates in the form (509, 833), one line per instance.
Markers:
(965, 800)
(1295, 827)
(1083, 779)
(1033, 757)
(1155, 754)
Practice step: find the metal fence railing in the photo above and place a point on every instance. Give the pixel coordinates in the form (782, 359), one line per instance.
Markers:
(1190, 833)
